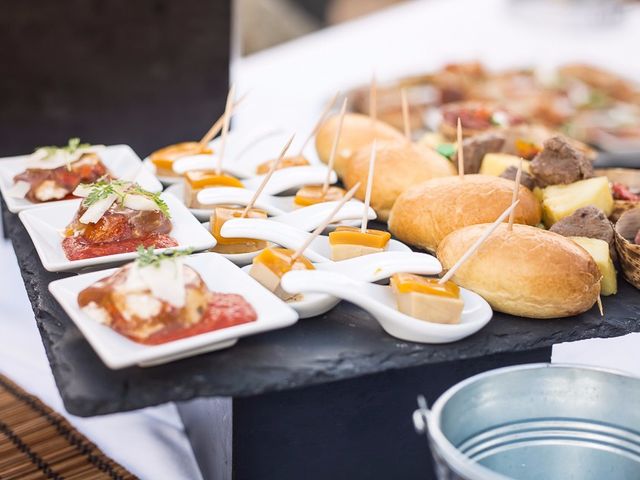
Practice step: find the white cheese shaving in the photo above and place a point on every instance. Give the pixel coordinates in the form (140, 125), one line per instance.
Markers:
(164, 280)
(95, 212)
(83, 190)
(19, 189)
(50, 190)
(142, 305)
(140, 202)
(97, 313)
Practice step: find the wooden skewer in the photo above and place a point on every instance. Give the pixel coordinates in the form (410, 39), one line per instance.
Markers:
(472, 249)
(348, 196)
(373, 99)
(313, 132)
(516, 194)
(225, 127)
(405, 114)
(460, 152)
(217, 125)
(367, 196)
(600, 307)
(267, 177)
(334, 148)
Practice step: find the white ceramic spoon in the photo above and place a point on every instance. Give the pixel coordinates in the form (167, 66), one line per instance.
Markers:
(288, 236)
(241, 196)
(367, 268)
(380, 302)
(291, 178)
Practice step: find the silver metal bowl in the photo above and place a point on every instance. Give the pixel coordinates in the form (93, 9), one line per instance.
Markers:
(538, 421)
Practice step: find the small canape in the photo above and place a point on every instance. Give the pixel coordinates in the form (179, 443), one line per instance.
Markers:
(271, 264)
(53, 173)
(286, 162)
(197, 180)
(425, 299)
(116, 217)
(158, 299)
(349, 242)
(234, 245)
(163, 159)
(312, 194)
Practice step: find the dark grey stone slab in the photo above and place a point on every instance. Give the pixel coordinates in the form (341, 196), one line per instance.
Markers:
(343, 344)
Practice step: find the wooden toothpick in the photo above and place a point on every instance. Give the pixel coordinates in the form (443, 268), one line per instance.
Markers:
(334, 148)
(348, 196)
(600, 307)
(313, 132)
(267, 177)
(405, 114)
(225, 128)
(516, 194)
(460, 152)
(472, 249)
(217, 125)
(373, 99)
(367, 196)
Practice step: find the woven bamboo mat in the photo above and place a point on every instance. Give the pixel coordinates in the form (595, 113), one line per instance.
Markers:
(36, 442)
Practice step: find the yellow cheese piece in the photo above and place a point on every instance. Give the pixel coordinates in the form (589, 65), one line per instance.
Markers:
(496, 163)
(599, 250)
(559, 201)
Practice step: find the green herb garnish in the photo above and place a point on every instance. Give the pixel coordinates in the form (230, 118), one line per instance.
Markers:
(73, 145)
(446, 150)
(103, 188)
(148, 257)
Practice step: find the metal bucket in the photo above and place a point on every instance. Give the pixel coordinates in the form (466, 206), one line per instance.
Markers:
(538, 421)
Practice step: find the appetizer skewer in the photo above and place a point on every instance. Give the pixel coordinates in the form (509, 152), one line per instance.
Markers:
(269, 267)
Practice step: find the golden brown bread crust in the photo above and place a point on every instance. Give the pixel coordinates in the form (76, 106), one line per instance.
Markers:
(425, 214)
(399, 165)
(356, 132)
(528, 272)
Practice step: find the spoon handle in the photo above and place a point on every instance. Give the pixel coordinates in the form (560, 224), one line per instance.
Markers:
(237, 196)
(308, 218)
(290, 178)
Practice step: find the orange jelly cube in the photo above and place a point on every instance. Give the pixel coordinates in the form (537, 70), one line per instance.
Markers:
(408, 283)
(312, 194)
(234, 245)
(278, 261)
(286, 162)
(164, 158)
(353, 236)
(209, 178)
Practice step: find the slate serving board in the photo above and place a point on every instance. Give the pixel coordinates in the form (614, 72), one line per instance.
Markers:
(344, 343)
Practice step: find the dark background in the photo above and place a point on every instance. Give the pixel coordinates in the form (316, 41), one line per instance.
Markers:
(145, 72)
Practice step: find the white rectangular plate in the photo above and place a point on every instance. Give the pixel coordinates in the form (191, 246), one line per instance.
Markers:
(121, 161)
(220, 275)
(45, 224)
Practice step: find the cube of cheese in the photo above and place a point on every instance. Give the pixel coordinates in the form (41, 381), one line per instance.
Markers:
(559, 201)
(163, 159)
(312, 194)
(271, 264)
(286, 162)
(197, 180)
(425, 299)
(496, 163)
(234, 245)
(349, 242)
(599, 250)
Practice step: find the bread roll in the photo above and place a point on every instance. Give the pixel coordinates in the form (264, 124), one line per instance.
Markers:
(528, 272)
(425, 214)
(357, 131)
(399, 165)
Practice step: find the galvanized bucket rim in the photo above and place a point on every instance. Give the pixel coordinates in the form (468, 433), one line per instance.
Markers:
(459, 462)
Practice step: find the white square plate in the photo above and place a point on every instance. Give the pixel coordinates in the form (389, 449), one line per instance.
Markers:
(45, 224)
(220, 275)
(121, 161)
